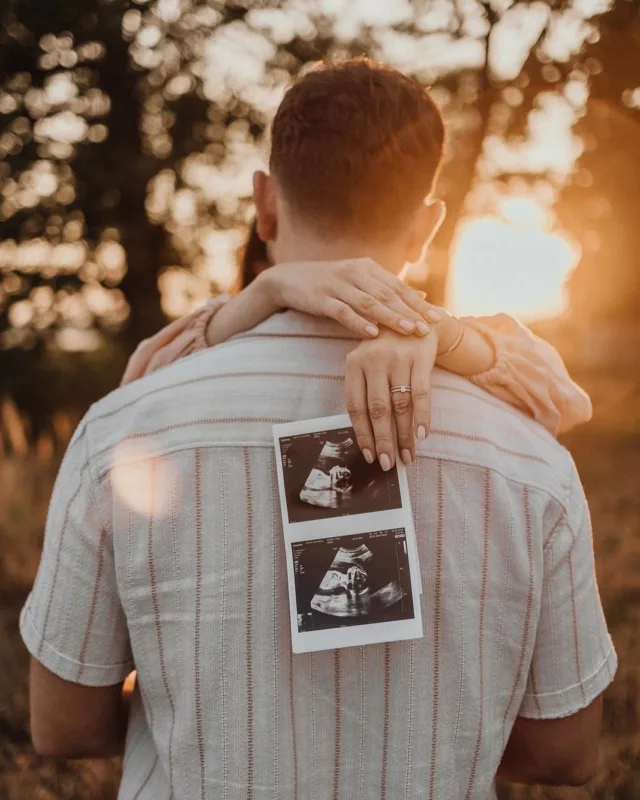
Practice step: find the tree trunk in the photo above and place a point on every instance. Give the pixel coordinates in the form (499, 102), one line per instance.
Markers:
(143, 242)
(463, 169)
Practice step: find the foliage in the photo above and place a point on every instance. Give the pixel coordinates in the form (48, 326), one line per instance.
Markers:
(599, 204)
(129, 132)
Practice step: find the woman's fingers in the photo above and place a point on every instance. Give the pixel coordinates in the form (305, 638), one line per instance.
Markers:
(393, 313)
(421, 393)
(412, 298)
(356, 398)
(380, 414)
(418, 304)
(393, 293)
(401, 402)
(346, 316)
(381, 302)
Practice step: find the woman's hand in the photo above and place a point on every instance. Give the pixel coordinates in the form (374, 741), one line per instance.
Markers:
(372, 369)
(358, 293)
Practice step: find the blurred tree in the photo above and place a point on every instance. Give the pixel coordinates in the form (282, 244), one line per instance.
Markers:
(599, 205)
(131, 128)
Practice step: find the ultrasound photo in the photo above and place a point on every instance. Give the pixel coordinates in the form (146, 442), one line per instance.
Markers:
(360, 579)
(326, 475)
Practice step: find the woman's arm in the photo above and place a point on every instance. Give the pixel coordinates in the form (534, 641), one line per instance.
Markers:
(461, 348)
(503, 357)
(358, 294)
(530, 374)
(496, 353)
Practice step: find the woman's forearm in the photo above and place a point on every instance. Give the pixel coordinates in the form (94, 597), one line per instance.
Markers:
(472, 356)
(243, 312)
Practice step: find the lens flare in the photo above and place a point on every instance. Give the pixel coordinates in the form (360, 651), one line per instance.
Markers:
(141, 480)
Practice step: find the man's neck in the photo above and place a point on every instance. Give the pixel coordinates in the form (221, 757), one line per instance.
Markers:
(305, 248)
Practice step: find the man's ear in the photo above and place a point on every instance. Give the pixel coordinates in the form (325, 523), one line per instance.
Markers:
(427, 221)
(266, 209)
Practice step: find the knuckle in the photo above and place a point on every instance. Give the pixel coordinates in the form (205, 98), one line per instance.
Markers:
(354, 409)
(402, 405)
(367, 303)
(379, 410)
(342, 314)
(420, 393)
(386, 295)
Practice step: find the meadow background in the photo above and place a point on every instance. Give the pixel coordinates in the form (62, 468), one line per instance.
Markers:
(128, 135)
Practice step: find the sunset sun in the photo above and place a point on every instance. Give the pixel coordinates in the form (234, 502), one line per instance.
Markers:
(511, 261)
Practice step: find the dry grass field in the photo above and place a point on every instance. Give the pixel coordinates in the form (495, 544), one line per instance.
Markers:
(608, 456)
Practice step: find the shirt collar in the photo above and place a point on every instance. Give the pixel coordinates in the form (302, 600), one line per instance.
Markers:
(297, 325)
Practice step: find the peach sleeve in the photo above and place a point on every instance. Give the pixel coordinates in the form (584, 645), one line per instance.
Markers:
(177, 340)
(530, 374)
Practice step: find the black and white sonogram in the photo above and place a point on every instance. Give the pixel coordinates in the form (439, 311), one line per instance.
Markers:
(360, 579)
(326, 475)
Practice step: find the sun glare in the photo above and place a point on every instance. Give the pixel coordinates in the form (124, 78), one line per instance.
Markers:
(511, 263)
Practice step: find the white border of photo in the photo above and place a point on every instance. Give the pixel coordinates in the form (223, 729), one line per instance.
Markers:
(352, 635)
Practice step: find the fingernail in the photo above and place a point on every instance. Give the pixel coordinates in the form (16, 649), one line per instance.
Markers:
(368, 456)
(434, 316)
(385, 462)
(423, 328)
(407, 326)
(372, 330)
(422, 432)
(406, 456)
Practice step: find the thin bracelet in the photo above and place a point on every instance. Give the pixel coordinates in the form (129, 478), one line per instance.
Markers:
(457, 342)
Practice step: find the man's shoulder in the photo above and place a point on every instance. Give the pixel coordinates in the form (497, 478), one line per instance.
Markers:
(471, 426)
(230, 394)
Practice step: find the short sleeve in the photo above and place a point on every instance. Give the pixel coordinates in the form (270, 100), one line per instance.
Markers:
(72, 621)
(574, 659)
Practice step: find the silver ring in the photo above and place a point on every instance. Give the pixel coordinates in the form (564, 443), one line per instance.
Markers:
(401, 389)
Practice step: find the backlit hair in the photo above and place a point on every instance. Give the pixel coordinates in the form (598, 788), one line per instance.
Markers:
(356, 146)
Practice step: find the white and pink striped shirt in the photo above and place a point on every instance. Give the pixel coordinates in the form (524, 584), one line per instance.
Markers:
(164, 552)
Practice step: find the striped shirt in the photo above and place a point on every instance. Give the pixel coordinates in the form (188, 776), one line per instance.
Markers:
(164, 552)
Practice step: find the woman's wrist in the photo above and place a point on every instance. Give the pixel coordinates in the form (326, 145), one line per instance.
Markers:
(244, 311)
(448, 330)
(268, 286)
(461, 349)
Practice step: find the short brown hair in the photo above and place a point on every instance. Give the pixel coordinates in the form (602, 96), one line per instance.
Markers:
(356, 146)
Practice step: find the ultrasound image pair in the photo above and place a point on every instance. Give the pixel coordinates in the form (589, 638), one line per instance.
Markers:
(349, 579)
